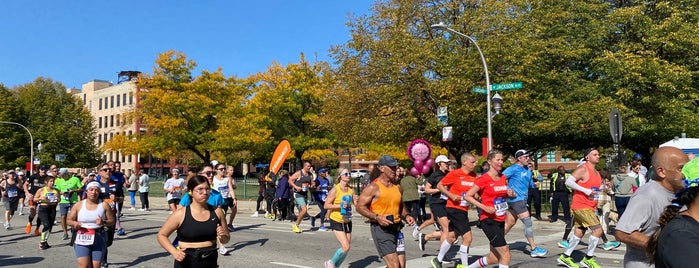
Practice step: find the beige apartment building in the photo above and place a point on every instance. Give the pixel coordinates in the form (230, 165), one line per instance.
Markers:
(108, 103)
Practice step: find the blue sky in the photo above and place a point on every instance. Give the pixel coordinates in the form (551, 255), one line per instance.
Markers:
(74, 42)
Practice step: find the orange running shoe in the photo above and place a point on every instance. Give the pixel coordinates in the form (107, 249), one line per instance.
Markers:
(28, 229)
(36, 232)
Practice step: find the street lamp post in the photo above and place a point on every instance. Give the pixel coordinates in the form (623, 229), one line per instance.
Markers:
(443, 26)
(31, 145)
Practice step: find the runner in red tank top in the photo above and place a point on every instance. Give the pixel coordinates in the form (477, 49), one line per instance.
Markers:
(585, 182)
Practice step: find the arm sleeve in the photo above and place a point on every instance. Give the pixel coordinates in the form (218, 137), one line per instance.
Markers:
(570, 182)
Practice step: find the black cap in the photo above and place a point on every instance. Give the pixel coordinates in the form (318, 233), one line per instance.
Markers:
(387, 160)
(43, 167)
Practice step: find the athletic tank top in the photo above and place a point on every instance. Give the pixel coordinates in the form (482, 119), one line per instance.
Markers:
(192, 230)
(388, 202)
(222, 187)
(336, 213)
(580, 200)
(50, 197)
(90, 216)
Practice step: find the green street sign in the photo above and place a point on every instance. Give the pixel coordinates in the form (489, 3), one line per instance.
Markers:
(480, 90)
(496, 87)
(506, 86)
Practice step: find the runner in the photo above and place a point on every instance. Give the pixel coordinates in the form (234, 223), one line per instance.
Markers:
(493, 190)
(339, 201)
(519, 180)
(10, 197)
(89, 218)
(585, 182)
(381, 202)
(34, 182)
(300, 182)
(47, 198)
(455, 185)
(174, 187)
(70, 187)
(198, 228)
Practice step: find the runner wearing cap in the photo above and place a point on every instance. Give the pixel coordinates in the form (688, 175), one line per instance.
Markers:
(323, 184)
(381, 203)
(34, 182)
(519, 180)
(438, 204)
(70, 187)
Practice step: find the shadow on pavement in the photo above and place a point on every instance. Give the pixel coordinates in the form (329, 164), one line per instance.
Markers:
(242, 244)
(141, 259)
(7, 260)
(253, 226)
(368, 260)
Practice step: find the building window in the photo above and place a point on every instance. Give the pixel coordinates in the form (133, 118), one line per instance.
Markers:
(105, 138)
(111, 120)
(117, 120)
(123, 99)
(118, 101)
(100, 122)
(99, 140)
(551, 156)
(129, 159)
(100, 104)
(131, 98)
(111, 102)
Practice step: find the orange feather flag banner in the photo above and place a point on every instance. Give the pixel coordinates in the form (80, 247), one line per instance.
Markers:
(279, 156)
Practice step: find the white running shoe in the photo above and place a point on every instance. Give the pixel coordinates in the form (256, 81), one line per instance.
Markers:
(255, 215)
(415, 231)
(223, 250)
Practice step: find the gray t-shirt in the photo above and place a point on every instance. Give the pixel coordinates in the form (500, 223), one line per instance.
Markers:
(642, 214)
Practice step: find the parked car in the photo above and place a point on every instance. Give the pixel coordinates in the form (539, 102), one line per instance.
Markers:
(358, 173)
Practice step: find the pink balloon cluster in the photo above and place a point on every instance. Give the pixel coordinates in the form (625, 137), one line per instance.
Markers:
(419, 151)
(420, 167)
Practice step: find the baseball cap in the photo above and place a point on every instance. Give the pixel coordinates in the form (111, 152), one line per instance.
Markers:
(43, 167)
(63, 171)
(520, 152)
(91, 174)
(441, 159)
(322, 170)
(20, 173)
(637, 156)
(387, 160)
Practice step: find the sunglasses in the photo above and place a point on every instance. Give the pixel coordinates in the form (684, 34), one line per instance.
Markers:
(345, 174)
(104, 169)
(208, 173)
(222, 169)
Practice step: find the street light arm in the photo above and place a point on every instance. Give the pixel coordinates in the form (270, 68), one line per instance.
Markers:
(31, 145)
(443, 26)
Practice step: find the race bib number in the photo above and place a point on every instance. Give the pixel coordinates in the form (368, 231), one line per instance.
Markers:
(500, 206)
(51, 197)
(595, 194)
(85, 237)
(12, 193)
(225, 193)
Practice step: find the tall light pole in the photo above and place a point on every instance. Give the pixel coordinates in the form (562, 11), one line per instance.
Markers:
(31, 145)
(443, 26)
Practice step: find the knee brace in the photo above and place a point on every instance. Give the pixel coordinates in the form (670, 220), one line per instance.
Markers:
(528, 232)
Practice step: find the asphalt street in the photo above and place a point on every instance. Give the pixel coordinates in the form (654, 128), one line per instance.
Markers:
(260, 242)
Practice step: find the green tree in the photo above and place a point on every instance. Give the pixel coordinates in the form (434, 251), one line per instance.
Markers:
(578, 60)
(183, 113)
(59, 121)
(289, 101)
